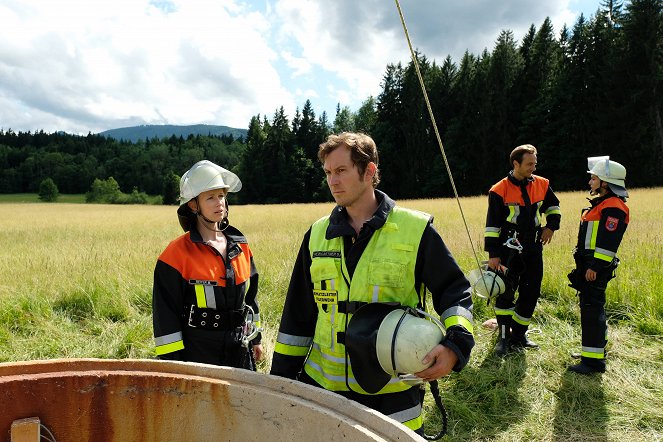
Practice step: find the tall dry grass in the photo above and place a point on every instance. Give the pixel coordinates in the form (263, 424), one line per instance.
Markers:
(75, 281)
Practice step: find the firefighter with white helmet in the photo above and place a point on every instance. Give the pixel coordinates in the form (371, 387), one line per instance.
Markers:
(610, 172)
(204, 302)
(602, 227)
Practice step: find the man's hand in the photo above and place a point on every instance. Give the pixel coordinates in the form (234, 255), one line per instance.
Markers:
(444, 360)
(546, 235)
(590, 275)
(258, 352)
(494, 263)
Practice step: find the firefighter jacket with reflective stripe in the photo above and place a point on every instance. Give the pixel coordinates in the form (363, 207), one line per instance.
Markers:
(396, 255)
(519, 206)
(192, 273)
(602, 228)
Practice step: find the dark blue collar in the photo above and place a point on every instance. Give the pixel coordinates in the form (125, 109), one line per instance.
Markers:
(339, 224)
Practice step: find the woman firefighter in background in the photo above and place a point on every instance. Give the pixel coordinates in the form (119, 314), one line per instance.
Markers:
(602, 228)
(205, 282)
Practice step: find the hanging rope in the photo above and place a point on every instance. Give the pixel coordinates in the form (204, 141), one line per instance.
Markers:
(433, 385)
(415, 61)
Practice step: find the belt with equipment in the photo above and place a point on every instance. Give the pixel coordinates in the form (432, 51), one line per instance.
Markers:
(210, 319)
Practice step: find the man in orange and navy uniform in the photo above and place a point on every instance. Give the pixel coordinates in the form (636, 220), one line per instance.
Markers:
(517, 206)
(602, 228)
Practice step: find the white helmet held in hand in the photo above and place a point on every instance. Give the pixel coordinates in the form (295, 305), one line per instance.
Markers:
(387, 340)
(204, 176)
(403, 340)
(486, 283)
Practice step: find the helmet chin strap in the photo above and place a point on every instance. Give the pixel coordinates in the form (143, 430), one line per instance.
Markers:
(598, 190)
(208, 223)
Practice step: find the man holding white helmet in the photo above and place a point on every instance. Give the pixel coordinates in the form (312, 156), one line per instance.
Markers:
(514, 239)
(602, 227)
(368, 251)
(205, 282)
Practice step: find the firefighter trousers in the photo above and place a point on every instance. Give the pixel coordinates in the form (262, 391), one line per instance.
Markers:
(593, 319)
(524, 275)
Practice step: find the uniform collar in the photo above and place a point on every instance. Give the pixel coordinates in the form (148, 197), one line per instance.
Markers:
(599, 199)
(340, 226)
(518, 182)
(233, 238)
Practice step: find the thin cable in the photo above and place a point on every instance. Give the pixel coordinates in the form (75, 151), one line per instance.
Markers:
(437, 133)
(49, 437)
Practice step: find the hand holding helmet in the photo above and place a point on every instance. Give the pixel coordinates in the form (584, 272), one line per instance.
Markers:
(388, 340)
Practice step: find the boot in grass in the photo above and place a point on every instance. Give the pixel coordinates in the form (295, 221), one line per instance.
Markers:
(588, 366)
(504, 335)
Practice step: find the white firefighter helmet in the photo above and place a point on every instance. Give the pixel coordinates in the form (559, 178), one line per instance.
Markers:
(485, 282)
(388, 340)
(609, 171)
(204, 176)
(404, 340)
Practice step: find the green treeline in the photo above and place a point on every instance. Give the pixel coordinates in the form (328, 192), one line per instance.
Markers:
(594, 89)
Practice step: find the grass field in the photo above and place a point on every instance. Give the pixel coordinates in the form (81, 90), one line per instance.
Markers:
(75, 281)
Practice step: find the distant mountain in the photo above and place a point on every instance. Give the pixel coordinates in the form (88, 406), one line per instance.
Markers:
(150, 131)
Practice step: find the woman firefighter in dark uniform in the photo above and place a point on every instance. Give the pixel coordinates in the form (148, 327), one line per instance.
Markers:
(602, 228)
(205, 282)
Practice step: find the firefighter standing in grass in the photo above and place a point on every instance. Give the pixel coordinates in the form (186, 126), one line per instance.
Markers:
(516, 207)
(205, 282)
(602, 228)
(368, 251)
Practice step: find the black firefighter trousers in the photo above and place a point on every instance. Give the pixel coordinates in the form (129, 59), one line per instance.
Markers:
(525, 273)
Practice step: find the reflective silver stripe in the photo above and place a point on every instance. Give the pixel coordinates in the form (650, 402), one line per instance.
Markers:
(514, 211)
(605, 252)
(168, 339)
(493, 229)
(593, 349)
(297, 341)
(255, 317)
(552, 209)
(522, 318)
(332, 329)
(317, 368)
(333, 378)
(504, 311)
(339, 360)
(376, 291)
(406, 415)
(457, 311)
(209, 296)
(336, 359)
(537, 218)
(591, 225)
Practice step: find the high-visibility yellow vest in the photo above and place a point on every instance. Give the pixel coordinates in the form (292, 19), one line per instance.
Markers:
(384, 273)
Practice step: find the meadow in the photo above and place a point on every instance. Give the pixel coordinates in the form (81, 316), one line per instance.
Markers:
(76, 280)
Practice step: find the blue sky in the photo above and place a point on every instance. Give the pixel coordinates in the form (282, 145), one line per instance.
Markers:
(88, 66)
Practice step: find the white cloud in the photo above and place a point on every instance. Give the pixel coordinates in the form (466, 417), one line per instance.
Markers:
(96, 61)
(95, 65)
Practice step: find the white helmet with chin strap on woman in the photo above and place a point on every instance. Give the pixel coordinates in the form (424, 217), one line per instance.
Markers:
(609, 171)
(202, 177)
